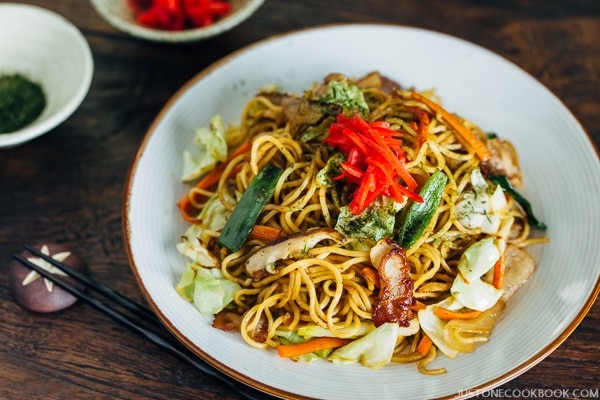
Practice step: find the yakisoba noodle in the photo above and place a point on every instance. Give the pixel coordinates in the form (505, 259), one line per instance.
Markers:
(325, 285)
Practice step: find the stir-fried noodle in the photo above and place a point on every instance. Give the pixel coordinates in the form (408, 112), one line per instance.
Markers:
(331, 282)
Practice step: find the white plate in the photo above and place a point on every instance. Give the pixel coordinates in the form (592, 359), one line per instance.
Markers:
(562, 179)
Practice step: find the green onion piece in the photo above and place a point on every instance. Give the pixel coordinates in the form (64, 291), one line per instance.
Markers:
(519, 198)
(419, 215)
(246, 212)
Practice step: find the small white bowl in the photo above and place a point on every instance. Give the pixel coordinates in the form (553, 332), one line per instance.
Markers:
(118, 14)
(49, 50)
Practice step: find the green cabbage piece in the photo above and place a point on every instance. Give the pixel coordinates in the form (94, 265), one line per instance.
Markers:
(349, 97)
(197, 252)
(478, 259)
(323, 179)
(433, 326)
(206, 288)
(214, 214)
(292, 337)
(211, 148)
(468, 287)
(312, 331)
(375, 222)
(317, 132)
(373, 350)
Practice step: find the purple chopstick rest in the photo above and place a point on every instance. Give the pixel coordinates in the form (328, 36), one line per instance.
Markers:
(36, 293)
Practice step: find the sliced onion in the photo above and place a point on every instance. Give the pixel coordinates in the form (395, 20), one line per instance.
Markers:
(464, 335)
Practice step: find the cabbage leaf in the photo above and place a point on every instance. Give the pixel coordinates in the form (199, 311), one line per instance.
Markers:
(433, 326)
(483, 207)
(312, 331)
(213, 216)
(206, 288)
(373, 350)
(211, 148)
(348, 96)
(375, 222)
(468, 287)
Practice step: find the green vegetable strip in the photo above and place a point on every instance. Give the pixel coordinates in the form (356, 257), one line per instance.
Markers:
(508, 188)
(246, 212)
(419, 214)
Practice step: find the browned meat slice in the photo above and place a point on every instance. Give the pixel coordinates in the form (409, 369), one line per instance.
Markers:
(227, 320)
(378, 81)
(396, 291)
(504, 161)
(519, 266)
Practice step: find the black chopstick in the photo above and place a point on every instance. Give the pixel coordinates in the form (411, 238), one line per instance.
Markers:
(167, 343)
(136, 308)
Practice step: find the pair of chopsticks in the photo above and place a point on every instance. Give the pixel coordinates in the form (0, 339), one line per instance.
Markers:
(159, 337)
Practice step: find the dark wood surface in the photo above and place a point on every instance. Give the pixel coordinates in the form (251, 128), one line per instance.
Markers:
(67, 186)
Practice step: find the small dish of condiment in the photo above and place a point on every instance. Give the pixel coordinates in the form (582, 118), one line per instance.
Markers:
(46, 70)
(178, 21)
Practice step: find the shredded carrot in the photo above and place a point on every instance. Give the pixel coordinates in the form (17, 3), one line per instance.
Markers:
(424, 345)
(372, 275)
(265, 233)
(184, 205)
(208, 181)
(212, 178)
(418, 306)
(422, 127)
(322, 343)
(447, 315)
(472, 140)
(498, 279)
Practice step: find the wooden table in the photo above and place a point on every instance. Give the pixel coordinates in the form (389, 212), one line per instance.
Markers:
(67, 186)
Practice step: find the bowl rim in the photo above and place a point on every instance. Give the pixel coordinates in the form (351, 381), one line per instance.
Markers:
(39, 127)
(188, 35)
(501, 379)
